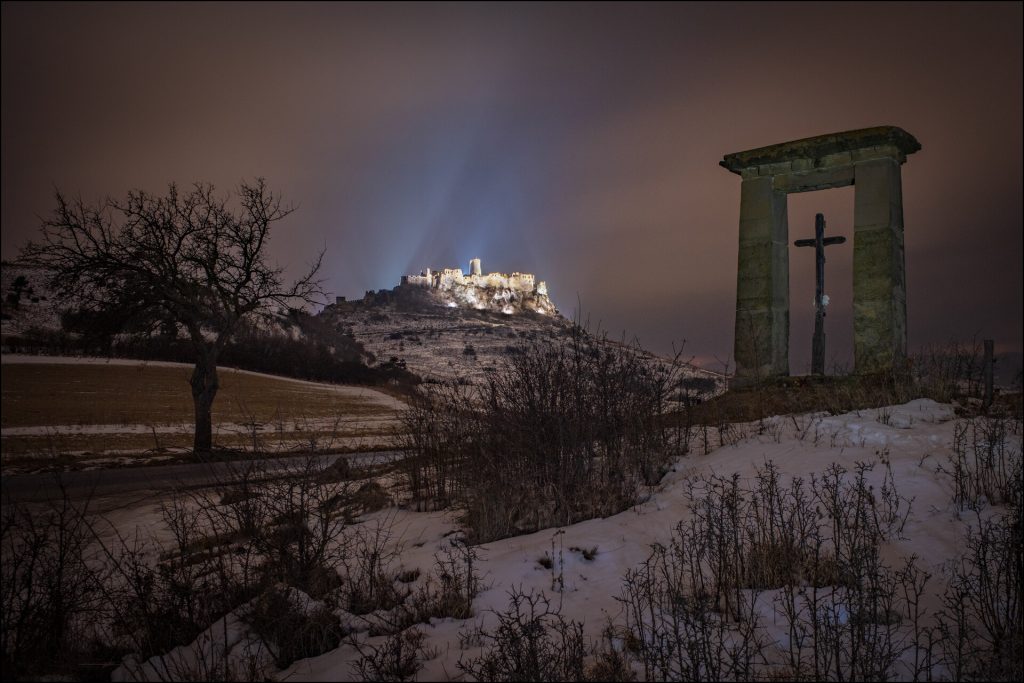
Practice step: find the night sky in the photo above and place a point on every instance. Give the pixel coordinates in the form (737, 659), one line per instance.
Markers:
(579, 142)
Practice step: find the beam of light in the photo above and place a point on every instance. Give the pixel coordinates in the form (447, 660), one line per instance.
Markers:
(455, 190)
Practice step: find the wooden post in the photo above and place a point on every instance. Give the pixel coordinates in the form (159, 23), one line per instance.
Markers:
(988, 369)
(819, 243)
(818, 343)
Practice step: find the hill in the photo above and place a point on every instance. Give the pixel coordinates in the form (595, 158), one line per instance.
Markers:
(445, 327)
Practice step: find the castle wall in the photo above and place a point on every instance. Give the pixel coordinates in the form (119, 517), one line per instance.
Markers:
(450, 277)
(417, 280)
(521, 281)
(479, 290)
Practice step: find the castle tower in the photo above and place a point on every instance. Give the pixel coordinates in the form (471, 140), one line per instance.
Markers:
(474, 267)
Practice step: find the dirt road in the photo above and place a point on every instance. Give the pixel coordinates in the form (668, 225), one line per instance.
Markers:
(136, 481)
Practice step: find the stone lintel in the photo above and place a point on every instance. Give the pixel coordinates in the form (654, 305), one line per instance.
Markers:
(823, 151)
(817, 179)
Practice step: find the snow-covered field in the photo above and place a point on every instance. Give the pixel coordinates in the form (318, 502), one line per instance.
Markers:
(915, 440)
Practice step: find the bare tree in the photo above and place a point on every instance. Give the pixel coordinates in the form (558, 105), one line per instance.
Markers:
(186, 258)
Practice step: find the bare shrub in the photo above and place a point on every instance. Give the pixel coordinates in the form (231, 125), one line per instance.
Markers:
(48, 592)
(293, 626)
(986, 462)
(158, 598)
(612, 661)
(532, 642)
(255, 532)
(457, 572)
(675, 627)
(368, 569)
(567, 430)
(433, 435)
(304, 543)
(945, 372)
(451, 595)
(982, 619)
(692, 607)
(261, 537)
(398, 658)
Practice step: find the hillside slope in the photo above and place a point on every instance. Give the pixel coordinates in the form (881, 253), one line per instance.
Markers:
(903, 452)
(439, 341)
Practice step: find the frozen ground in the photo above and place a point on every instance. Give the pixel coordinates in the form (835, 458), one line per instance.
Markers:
(915, 439)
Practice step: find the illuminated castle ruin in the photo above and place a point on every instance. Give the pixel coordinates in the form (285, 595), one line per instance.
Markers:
(497, 291)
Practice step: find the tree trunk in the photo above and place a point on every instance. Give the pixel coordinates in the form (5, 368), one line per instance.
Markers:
(204, 389)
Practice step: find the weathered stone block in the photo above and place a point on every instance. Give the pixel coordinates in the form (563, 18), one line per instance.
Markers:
(877, 333)
(838, 159)
(756, 231)
(878, 199)
(762, 344)
(756, 199)
(814, 179)
(874, 253)
(756, 261)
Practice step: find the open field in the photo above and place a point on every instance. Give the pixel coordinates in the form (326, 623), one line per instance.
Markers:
(56, 408)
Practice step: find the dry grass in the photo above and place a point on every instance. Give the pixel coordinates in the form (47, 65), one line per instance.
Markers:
(36, 394)
(55, 400)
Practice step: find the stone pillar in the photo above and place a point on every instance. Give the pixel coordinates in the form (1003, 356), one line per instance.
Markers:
(762, 288)
(879, 274)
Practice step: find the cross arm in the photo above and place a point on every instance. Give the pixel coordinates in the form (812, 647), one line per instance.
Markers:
(839, 239)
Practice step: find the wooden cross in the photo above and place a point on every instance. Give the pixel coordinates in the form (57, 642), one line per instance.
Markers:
(819, 243)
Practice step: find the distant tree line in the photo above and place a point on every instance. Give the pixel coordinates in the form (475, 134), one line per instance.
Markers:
(320, 354)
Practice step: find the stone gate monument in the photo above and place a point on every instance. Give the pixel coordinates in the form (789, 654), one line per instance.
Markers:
(870, 160)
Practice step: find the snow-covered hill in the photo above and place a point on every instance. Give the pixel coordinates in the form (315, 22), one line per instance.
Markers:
(439, 341)
(906, 452)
